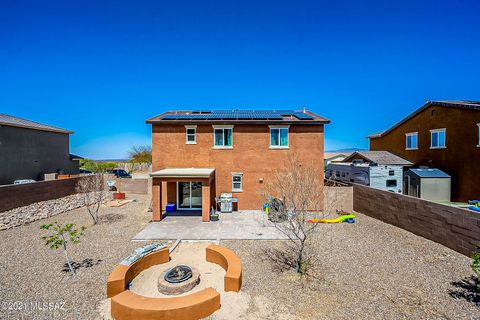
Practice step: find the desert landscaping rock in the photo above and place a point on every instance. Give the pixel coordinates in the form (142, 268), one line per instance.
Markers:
(41, 210)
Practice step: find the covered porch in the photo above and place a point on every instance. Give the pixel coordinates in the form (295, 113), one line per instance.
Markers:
(190, 189)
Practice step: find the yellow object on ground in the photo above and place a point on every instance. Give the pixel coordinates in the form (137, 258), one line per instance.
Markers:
(336, 220)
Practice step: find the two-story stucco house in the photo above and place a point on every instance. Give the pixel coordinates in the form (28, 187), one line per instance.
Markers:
(199, 154)
(30, 149)
(443, 135)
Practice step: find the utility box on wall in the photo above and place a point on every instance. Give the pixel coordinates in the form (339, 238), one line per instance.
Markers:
(428, 184)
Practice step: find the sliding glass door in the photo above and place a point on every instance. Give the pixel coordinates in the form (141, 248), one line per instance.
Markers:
(189, 195)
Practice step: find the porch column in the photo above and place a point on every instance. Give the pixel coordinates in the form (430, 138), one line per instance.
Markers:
(156, 199)
(205, 202)
(164, 196)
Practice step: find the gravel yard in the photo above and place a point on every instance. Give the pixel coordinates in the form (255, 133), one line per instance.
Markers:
(366, 270)
(31, 272)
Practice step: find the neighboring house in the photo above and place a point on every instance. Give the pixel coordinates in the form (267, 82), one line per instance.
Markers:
(443, 135)
(427, 183)
(333, 156)
(30, 149)
(377, 169)
(199, 154)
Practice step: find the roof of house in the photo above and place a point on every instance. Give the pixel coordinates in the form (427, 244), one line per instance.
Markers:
(459, 104)
(75, 157)
(334, 155)
(379, 157)
(239, 116)
(12, 121)
(429, 173)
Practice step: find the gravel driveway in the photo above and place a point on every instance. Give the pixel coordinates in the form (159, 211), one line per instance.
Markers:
(366, 270)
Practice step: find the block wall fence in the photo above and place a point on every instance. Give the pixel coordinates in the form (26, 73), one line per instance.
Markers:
(20, 195)
(456, 228)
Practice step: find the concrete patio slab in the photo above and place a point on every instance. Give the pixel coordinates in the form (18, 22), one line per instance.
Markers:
(241, 225)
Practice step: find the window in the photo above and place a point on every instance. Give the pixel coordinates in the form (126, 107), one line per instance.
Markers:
(337, 173)
(391, 172)
(237, 182)
(278, 137)
(391, 183)
(412, 141)
(191, 134)
(222, 137)
(438, 137)
(343, 174)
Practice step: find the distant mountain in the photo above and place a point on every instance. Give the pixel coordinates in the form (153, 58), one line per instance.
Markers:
(349, 150)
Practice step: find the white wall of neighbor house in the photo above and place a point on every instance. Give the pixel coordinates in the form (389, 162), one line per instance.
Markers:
(387, 178)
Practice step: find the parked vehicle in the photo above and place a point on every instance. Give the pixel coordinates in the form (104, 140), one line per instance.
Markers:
(23, 181)
(85, 172)
(120, 173)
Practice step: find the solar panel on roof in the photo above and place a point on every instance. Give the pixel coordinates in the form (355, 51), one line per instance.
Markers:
(302, 116)
(238, 115)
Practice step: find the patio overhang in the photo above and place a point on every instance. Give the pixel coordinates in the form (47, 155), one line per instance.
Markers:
(164, 188)
(183, 173)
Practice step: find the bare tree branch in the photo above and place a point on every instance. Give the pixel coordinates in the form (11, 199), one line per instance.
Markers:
(298, 190)
(93, 191)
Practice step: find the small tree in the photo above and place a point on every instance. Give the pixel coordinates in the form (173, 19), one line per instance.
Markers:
(92, 190)
(140, 154)
(299, 190)
(60, 236)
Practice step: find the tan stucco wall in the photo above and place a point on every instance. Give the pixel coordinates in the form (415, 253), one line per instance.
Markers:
(460, 159)
(250, 155)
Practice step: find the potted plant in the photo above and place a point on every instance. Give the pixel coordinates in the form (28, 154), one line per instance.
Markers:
(118, 195)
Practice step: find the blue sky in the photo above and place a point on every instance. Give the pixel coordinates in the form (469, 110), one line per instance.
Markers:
(100, 68)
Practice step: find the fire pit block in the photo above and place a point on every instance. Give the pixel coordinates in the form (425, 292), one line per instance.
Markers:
(170, 287)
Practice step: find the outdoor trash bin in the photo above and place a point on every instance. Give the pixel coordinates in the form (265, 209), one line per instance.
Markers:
(170, 207)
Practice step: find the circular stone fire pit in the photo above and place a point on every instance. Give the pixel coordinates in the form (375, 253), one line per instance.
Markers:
(178, 280)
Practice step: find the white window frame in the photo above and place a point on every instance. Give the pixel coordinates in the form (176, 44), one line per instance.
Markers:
(478, 131)
(270, 136)
(410, 134)
(194, 127)
(222, 127)
(237, 174)
(444, 130)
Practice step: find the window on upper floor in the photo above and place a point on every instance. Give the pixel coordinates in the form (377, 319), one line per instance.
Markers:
(411, 142)
(191, 134)
(438, 138)
(391, 172)
(222, 137)
(278, 137)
